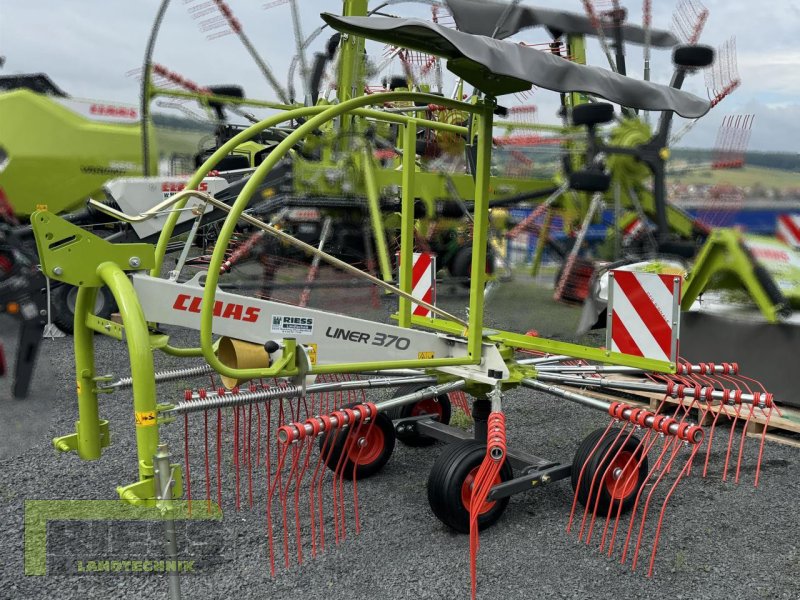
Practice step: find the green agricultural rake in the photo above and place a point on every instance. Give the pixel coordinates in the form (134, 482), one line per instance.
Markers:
(312, 432)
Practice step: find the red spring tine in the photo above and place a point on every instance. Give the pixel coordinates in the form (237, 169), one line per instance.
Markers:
(650, 438)
(268, 441)
(669, 440)
(761, 444)
(248, 454)
(350, 440)
(297, 448)
(297, 486)
(315, 430)
(236, 452)
(258, 436)
(337, 501)
(676, 442)
(608, 462)
(593, 482)
(737, 414)
(745, 429)
(580, 477)
(207, 465)
(219, 457)
(624, 483)
(186, 460)
(283, 449)
(484, 480)
(324, 456)
(695, 448)
(364, 428)
(676, 446)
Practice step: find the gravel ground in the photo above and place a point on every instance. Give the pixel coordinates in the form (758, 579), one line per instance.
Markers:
(720, 540)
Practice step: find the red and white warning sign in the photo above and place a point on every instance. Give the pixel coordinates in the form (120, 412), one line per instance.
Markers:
(423, 282)
(788, 230)
(644, 314)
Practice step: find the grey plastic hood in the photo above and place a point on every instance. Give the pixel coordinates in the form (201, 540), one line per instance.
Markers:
(498, 67)
(481, 17)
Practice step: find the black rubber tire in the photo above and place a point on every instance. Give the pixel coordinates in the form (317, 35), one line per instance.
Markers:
(403, 412)
(447, 478)
(693, 57)
(332, 454)
(62, 306)
(461, 264)
(589, 181)
(598, 461)
(595, 113)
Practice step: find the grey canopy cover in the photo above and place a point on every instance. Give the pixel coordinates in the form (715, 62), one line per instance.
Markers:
(482, 60)
(481, 17)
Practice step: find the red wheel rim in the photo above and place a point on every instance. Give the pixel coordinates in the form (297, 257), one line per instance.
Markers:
(429, 406)
(374, 441)
(466, 491)
(622, 476)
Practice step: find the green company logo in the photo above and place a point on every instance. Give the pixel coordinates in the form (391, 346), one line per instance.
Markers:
(39, 512)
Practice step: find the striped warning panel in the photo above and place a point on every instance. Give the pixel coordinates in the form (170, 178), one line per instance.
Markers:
(788, 230)
(644, 314)
(423, 282)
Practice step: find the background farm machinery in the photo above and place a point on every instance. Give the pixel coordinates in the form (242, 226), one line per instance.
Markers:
(298, 362)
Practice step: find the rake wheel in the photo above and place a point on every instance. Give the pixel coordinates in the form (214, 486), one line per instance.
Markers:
(367, 455)
(438, 406)
(612, 473)
(450, 486)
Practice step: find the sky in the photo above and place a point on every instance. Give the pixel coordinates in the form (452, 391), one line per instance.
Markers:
(90, 47)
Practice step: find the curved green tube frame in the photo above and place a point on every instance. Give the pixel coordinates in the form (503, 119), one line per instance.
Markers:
(322, 115)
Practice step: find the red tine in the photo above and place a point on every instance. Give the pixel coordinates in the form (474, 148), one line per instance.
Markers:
(236, 453)
(186, 460)
(297, 487)
(593, 487)
(370, 423)
(676, 443)
(283, 450)
(297, 449)
(484, 480)
(606, 463)
(632, 473)
(761, 446)
(580, 478)
(248, 452)
(219, 457)
(667, 443)
(207, 465)
(664, 508)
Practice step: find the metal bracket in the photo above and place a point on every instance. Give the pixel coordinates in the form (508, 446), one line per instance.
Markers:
(72, 255)
(69, 443)
(143, 492)
(530, 480)
(106, 327)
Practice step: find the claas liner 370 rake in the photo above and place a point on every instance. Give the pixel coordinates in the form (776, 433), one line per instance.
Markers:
(313, 433)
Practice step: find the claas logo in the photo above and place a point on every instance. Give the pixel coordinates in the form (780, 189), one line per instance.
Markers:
(225, 310)
(172, 187)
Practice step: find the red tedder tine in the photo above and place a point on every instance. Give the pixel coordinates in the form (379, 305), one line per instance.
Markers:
(487, 473)
(298, 440)
(631, 473)
(695, 448)
(592, 486)
(686, 433)
(580, 478)
(606, 463)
